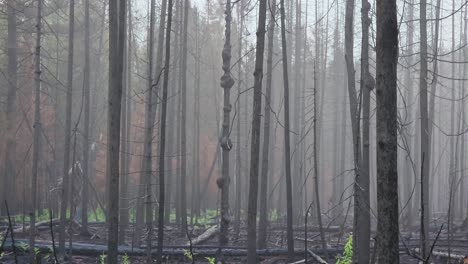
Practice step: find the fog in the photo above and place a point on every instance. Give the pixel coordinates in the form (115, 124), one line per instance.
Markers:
(175, 131)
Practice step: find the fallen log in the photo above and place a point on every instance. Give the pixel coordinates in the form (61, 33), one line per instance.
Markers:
(208, 234)
(441, 254)
(316, 257)
(86, 249)
(309, 228)
(37, 225)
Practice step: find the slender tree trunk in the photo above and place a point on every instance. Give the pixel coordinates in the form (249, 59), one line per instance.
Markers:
(255, 141)
(263, 223)
(425, 160)
(66, 159)
(37, 132)
(125, 129)
(86, 138)
(287, 144)
(117, 11)
(387, 142)
(162, 141)
(196, 128)
(316, 174)
(362, 199)
(409, 128)
(225, 142)
(238, 205)
(183, 140)
(8, 188)
(355, 114)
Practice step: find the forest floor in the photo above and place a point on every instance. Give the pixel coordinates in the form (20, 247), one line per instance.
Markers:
(91, 248)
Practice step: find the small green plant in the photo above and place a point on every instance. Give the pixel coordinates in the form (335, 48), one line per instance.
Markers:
(125, 259)
(211, 260)
(36, 251)
(347, 257)
(23, 246)
(2, 255)
(188, 255)
(102, 258)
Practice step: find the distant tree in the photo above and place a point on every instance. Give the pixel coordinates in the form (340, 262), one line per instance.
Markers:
(86, 137)
(10, 148)
(37, 132)
(66, 159)
(183, 128)
(287, 142)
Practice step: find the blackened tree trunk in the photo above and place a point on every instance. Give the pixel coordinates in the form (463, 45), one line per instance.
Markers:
(86, 138)
(162, 141)
(287, 143)
(255, 141)
(66, 158)
(8, 188)
(387, 142)
(183, 139)
(225, 142)
(37, 132)
(263, 223)
(425, 161)
(362, 199)
(117, 10)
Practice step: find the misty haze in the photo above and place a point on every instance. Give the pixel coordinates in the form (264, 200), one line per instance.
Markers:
(233, 131)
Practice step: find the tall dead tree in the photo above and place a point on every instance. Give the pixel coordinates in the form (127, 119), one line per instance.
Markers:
(117, 11)
(66, 158)
(362, 193)
(10, 150)
(238, 202)
(162, 147)
(255, 140)
(263, 221)
(225, 142)
(37, 131)
(126, 127)
(287, 143)
(409, 128)
(425, 161)
(387, 124)
(183, 127)
(86, 137)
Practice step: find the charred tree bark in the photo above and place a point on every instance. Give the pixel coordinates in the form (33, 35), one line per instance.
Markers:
(117, 11)
(425, 161)
(387, 142)
(263, 222)
(225, 142)
(255, 141)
